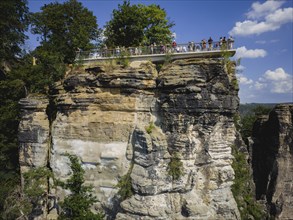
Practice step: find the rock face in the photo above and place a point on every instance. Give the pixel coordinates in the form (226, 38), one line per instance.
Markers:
(135, 120)
(272, 159)
(34, 133)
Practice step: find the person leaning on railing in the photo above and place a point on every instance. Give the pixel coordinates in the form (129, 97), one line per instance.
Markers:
(230, 42)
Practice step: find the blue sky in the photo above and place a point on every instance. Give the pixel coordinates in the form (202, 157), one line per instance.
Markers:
(263, 33)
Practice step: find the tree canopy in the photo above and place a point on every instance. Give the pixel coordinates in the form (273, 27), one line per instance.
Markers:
(13, 23)
(65, 27)
(132, 25)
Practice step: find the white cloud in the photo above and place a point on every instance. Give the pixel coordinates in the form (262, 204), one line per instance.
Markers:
(242, 52)
(263, 18)
(240, 68)
(259, 86)
(277, 80)
(265, 42)
(244, 80)
(276, 75)
(282, 87)
(260, 42)
(260, 10)
(281, 16)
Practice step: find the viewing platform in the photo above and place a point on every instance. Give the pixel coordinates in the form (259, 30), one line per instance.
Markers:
(157, 53)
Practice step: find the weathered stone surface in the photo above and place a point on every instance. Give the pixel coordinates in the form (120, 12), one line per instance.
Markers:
(272, 160)
(112, 119)
(34, 132)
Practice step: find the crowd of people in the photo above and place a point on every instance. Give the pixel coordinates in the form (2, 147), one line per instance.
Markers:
(204, 45)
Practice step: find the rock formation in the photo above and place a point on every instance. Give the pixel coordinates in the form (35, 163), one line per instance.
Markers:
(272, 157)
(135, 120)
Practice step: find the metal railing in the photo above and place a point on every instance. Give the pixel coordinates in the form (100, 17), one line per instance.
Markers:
(153, 50)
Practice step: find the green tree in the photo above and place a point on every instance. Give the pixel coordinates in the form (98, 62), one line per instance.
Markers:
(132, 25)
(65, 27)
(242, 188)
(36, 188)
(247, 121)
(39, 78)
(10, 92)
(13, 24)
(77, 205)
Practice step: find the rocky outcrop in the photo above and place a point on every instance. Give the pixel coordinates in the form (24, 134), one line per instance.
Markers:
(34, 132)
(272, 158)
(135, 120)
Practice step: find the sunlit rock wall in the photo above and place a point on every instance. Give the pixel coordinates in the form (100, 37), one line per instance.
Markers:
(134, 119)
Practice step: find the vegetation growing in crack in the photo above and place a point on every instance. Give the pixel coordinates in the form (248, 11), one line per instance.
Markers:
(230, 66)
(150, 127)
(175, 167)
(242, 188)
(125, 185)
(77, 204)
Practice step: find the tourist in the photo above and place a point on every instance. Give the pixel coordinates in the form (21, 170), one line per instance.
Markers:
(224, 43)
(136, 51)
(210, 42)
(152, 49)
(174, 45)
(230, 42)
(155, 48)
(189, 45)
(220, 42)
(118, 51)
(162, 47)
(192, 45)
(184, 49)
(197, 47)
(203, 44)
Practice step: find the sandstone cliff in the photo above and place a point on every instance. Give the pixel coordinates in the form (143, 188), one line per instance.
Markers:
(272, 158)
(135, 120)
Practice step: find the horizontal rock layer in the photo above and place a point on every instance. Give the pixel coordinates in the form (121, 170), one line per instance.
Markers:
(134, 119)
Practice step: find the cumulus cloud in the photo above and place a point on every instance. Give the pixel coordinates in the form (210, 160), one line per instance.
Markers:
(276, 75)
(259, 10)
(259, 85)
(277, 80)
(244, 80)
(242, 52)
(263, 18)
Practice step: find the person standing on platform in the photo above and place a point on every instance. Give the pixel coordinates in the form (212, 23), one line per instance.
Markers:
(230, 42)
(210, 42)
(203, 44)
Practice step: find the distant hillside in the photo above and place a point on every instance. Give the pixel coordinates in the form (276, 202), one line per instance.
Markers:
(246, 109)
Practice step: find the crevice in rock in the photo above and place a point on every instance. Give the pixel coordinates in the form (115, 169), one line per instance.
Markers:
(51, 112)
